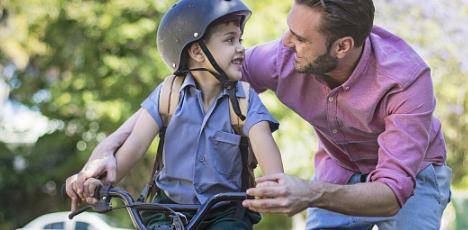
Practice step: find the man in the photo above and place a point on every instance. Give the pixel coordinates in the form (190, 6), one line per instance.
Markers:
(369, 96)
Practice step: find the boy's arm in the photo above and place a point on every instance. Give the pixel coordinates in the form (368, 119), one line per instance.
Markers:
(101, 163)
(139, 140)
(265, 148)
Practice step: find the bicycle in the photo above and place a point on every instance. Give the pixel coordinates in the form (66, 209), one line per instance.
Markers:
(104, 195)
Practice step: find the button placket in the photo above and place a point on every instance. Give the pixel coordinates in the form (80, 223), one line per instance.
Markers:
(202, 158)
(331, 115)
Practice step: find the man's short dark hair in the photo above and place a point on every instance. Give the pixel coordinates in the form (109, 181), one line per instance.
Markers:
(341, 18)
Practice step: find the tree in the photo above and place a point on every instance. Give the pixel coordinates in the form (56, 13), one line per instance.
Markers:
(87, 65)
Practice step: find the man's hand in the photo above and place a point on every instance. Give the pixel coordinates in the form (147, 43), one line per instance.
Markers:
(289, 195)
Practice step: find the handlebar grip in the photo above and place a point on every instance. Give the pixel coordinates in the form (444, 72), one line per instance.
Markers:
(63, 192)
(78, 211)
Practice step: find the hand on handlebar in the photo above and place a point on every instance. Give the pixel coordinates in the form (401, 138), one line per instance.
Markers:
(102, 167)
(89, 190)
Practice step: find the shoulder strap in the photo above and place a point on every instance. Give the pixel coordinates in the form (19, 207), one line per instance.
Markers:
(236, 122)
(249, 162)
(169, 97)
(168, 101)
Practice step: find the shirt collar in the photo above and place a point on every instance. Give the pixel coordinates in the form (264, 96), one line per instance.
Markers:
(190, 82)
(240, 90)
(362, 65)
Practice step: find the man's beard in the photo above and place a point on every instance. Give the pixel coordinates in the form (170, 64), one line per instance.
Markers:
(320, 66)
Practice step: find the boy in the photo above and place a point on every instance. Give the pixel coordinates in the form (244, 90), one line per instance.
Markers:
(201, 41)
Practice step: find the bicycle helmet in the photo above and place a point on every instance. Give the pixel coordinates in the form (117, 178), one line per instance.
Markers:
(186, 22)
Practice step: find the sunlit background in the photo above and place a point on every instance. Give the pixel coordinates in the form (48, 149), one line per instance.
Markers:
(71, 71)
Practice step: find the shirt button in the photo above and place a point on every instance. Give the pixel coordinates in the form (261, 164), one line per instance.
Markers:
(202, 159)
(330, 99)
(335, 131)
(346, 88)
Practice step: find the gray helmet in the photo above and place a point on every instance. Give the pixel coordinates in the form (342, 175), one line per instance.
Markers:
(187, 21)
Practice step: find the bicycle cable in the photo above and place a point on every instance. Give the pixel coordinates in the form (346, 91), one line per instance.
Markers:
(179, 225)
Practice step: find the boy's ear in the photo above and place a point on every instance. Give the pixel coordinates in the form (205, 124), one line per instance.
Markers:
(196, 53)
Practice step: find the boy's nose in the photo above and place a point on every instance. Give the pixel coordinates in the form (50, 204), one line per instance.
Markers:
(240, 48)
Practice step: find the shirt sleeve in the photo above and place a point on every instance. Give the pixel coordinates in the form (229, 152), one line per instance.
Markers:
(260, 66)
(403, 144)
(257, 113)
(151, 104)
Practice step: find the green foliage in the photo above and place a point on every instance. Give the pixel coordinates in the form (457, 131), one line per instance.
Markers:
(87, 65)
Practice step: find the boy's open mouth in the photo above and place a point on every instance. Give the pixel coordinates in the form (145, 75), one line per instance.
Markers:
(237, 61)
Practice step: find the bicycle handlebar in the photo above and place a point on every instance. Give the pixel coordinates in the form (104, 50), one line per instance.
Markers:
(105, 193)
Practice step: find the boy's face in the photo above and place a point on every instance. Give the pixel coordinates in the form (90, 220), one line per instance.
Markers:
(225, 46)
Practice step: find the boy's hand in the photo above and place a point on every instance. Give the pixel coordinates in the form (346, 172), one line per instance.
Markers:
(70, 188)
(264, 184)
(105, 166)
(90, 186)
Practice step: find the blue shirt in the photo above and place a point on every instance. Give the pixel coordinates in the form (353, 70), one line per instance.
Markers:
(201, 152)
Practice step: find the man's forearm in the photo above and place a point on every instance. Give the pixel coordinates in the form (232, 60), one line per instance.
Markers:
(364, 199)
(110, 144)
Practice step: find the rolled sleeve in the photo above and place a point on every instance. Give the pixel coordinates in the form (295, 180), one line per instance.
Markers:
(151, 104)
(403, 144)
(257, 113)
(260, 66)
(401, 184)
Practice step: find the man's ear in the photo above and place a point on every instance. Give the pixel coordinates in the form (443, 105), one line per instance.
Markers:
(196, 53)
(343, 46)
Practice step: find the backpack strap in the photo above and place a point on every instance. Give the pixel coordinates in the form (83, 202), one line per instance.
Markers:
(249, 162)
(236, 122)
(168, 101)
(169, 97)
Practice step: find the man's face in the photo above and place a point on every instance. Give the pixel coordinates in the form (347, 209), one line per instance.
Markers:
(310, 45)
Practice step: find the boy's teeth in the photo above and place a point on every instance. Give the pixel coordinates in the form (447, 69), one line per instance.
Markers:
(237, 61)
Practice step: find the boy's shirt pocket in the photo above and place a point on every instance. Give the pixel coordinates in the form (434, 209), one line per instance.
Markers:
(226, 158)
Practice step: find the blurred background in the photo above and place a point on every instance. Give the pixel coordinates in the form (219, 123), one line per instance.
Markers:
(72, 71)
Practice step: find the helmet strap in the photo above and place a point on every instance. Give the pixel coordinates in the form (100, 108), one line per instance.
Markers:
(222, 77)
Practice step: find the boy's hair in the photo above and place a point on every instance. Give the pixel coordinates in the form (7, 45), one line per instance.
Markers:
(232, 18)
(342, 18)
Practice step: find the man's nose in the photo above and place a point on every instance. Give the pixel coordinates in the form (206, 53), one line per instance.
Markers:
(287, 40)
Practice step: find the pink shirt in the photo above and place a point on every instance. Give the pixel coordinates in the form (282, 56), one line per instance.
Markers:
(379, 122)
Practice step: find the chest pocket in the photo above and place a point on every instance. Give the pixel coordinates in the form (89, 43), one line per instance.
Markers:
(226, 158)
